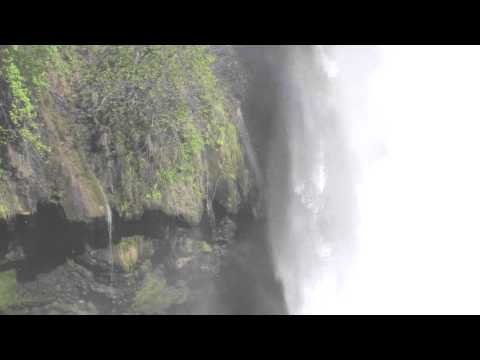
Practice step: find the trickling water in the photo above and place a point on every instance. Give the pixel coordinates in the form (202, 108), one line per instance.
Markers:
(109, 222)
(110, 244)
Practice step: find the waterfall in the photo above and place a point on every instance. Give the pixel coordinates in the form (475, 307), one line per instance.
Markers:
(108, 219)
(299, 245)
(311, 211)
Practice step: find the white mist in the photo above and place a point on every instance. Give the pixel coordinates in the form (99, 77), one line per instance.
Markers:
(418, 234)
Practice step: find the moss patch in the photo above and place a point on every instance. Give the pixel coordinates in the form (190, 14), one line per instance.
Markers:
(128, 252)
(132, 251)
(155, 296)
(8, 288)
(205, 247)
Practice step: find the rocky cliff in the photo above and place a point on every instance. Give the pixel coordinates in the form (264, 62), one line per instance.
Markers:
(140, 127)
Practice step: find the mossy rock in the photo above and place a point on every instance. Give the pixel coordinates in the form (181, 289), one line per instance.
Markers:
(140, 127)
(3, 211)
(8, 289)
(193, 258)
(9, 202)
(72, 183)
(155, 296)
(205, 247)
(128, 254)
(187, 246)
(131, 251)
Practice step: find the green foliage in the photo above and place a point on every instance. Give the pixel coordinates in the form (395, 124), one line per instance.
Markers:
(168, 176)
(33, 63)
(155, 194)
(25, 70)
(162, 108)
(159, 110)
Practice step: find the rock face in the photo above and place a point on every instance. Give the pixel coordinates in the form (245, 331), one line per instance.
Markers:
(160, 133)
(63, 179)
(154, 134)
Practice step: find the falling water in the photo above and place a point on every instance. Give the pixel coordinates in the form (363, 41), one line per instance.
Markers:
(304, 234)
(312, 230)
(108, 220)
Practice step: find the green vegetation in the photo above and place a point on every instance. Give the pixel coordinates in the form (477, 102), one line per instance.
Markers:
(172, 111)
(155, 194)
(8, 288)
(151, 123)
(25, 70)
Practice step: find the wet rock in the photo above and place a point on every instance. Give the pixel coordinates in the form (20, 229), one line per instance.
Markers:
(146, 267)
(37, 311)
(74, 308)
(97, 259)
(65, 290)
(192, 258)
(225, 231)
(155, 296)
(105, 290)
(15, 254)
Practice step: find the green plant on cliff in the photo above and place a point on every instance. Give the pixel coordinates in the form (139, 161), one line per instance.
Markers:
(149, 126)
(25, 69)
(160, 109)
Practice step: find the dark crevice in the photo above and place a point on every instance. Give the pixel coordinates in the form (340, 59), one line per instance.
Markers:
(4, 237)
(48, 239)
